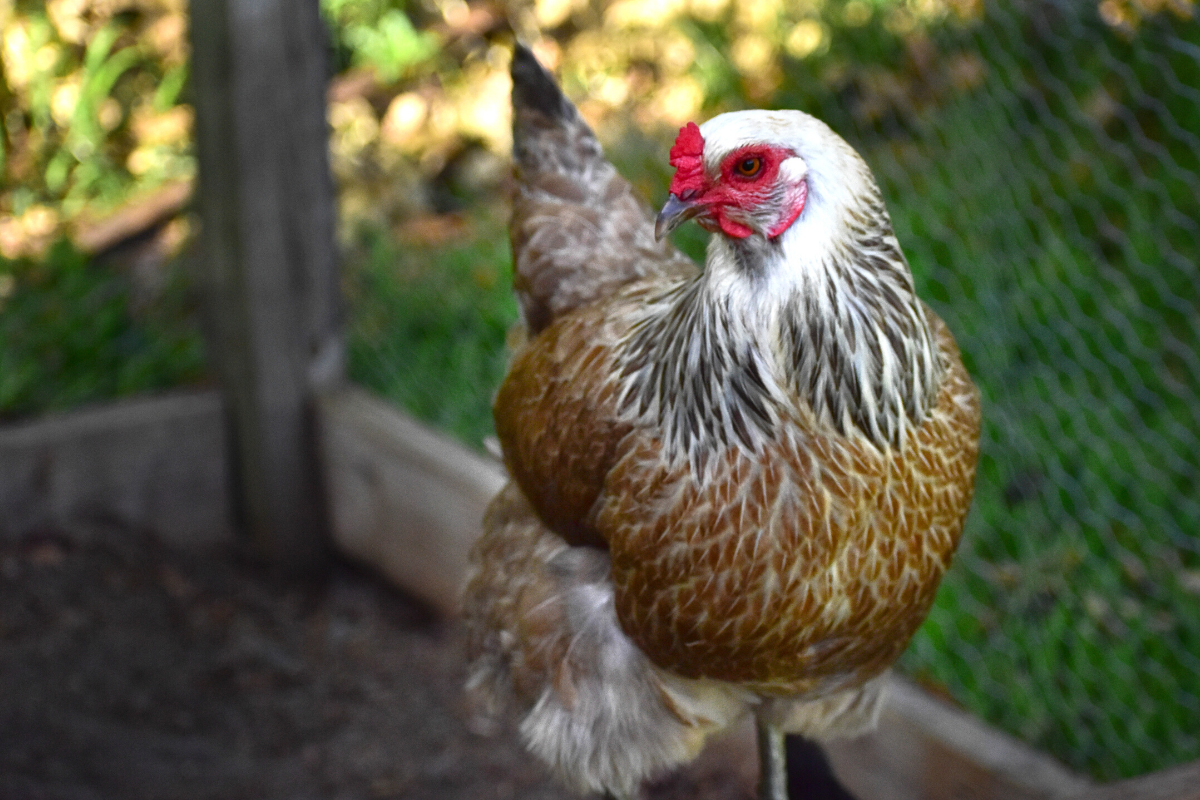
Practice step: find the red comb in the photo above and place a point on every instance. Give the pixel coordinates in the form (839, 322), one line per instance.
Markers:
(687, 157)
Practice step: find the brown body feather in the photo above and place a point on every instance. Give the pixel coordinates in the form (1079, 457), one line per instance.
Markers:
(804, 567)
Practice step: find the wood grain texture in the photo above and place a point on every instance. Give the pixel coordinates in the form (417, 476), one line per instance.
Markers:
(268, 269)
(155, 464)
(1177, 783)
(405, 499)
(924, 748)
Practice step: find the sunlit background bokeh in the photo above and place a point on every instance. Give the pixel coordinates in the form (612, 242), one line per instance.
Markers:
(1041, 163)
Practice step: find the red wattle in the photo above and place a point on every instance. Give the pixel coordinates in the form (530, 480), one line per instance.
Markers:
(735, 229)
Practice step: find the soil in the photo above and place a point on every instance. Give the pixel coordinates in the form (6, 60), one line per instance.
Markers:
(130, 670)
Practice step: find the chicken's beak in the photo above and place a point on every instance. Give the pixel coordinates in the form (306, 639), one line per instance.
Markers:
(674, 213)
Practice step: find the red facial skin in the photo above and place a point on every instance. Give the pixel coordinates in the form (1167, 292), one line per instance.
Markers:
(746, 181)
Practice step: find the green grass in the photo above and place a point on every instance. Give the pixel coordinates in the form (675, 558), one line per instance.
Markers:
(1071, 617)
(69, 335)
(428, 325)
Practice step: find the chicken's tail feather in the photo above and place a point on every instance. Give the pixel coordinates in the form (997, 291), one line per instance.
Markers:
(579, 231)
(534, 88)
(549, 135)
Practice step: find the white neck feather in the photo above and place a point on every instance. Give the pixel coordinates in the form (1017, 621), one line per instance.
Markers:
(823, 316)
(834, 297)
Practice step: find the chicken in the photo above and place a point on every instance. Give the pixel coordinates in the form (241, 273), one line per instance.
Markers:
(733, 490)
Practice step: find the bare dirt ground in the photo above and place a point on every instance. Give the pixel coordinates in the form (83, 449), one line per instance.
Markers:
(128, 670)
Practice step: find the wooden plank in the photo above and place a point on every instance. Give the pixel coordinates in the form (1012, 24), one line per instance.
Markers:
(156, 464)
(926, 749)
(269, 272)
(406, 500)
(1177, 783)
(409, 502)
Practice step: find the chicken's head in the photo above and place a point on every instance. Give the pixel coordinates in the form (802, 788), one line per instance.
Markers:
(750, 173)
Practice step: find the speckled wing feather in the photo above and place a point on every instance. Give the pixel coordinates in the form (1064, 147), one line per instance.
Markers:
(578, 229)
(544, 636)
(560, 439)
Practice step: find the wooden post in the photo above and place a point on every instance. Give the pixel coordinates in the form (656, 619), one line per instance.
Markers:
(269, 272)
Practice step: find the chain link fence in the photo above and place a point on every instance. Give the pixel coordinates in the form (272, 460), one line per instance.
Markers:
(1051, 216)
(1042, 166)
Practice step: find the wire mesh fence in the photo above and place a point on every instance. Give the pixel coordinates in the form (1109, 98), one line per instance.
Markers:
(1042, 167)
(1051, 216)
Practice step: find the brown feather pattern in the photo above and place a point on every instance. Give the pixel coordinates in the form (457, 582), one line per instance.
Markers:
(802, 561)
(805, 567)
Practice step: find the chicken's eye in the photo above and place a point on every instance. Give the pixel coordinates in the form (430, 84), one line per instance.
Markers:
(748, 167)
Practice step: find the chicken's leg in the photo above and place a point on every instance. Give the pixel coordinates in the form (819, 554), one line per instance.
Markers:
(772, 762)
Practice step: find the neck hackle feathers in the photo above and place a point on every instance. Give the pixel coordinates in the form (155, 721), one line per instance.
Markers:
(687, 156)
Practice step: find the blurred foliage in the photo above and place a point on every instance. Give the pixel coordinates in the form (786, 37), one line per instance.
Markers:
(1041, 163)
(91, 108)
(93, 115)
(376, 35)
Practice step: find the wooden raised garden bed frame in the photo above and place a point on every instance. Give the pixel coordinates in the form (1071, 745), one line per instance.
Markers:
(407, 501)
